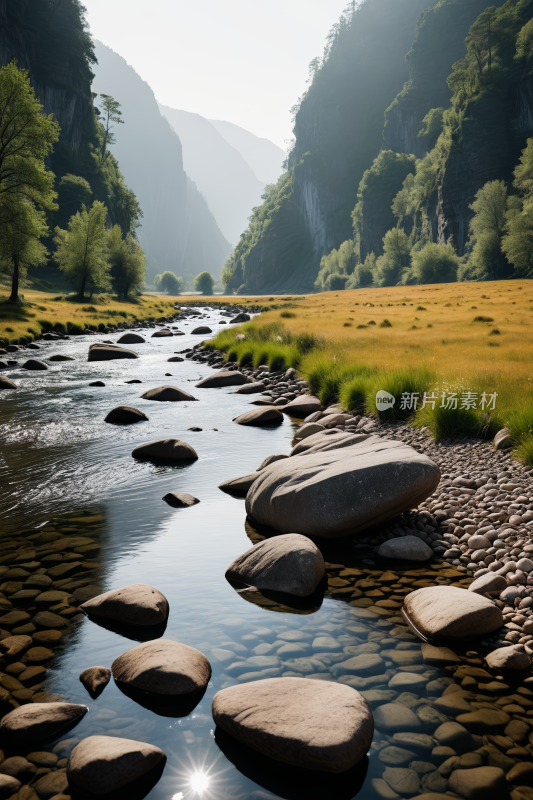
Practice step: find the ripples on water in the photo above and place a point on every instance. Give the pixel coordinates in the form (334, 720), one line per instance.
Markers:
(58, 455)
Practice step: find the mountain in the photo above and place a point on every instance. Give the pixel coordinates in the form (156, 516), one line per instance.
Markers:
(416, 111)
(265, 158)
(221, 174)
(178, 230)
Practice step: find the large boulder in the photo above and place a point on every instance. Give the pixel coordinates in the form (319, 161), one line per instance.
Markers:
(103, 764)
(34, 364)
(316, 725)
(289, 563)
(36, 721)
(242, 317)
(165, 449)
(331, 439)
(226, 377)
(238, 485)
(447, 612)
(201, 329)
(302, 406)
(125, 415)
(5, 383)
(109, 352)
(161, 334)
(167, 394)
(137, 604)
(131, 338)
(260, 416)
(406, 548)
(163, 667)
(337, 492)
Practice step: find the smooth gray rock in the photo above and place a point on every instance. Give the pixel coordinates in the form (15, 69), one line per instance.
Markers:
(503, 440)
(131, 338)
(103, 764)
(270, 460)
(162, 334)
(345, 490)
(202, 329)
(251, 388)
(490, 583)
(406, 548)
(165, 449)
(290, 563)
(180, 499)
(222, 378)
(309, 429)
(35, 721)
(34, 364)
(136, 604)
(316, 725)
(238, 485)
(396, 718)
(303, 406)
(260, 416)
(109, 352)
(5, 383)
(242, 317)
(167, 394)
(163, 667)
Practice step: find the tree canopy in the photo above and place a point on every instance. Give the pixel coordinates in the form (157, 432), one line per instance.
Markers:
(81, 250)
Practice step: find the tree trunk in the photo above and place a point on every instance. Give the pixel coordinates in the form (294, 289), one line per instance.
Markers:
(82, 289)
(15, 281)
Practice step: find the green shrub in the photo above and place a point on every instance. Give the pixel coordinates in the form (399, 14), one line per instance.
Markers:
(46, 325)
(456, 423)
(524, 451)
(60, 327)
(74, 329)
(102, 327)
(398, 382)
(385, 324)
(494, 332)
(481, 318)
(287, 314)
(89, 309)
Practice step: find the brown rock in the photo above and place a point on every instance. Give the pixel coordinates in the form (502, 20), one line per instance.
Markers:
(161, 334)
(448, 612)
(125, 415)
(303, 406)
(131, 338)
(166, 450)
(167, 394)
(343, 490)
(290, 563)
(102, 764)
(480, 783)
(109, 352)
(507, 658)
(95, 679)
(260, 416)
(8, 785)
(238, 485)
(36, 721)
(180, 499)
(251, 388)
(34, 364)
(13, 646)
(222, 378)
(137, 604)
(5, 383)
(488, 584)
(271, 460)
(311, 724)
(52, 784)
(163, 667)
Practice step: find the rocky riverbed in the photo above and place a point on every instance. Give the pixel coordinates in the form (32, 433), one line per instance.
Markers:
(447, 719)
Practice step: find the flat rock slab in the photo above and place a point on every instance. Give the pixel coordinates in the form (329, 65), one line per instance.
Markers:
(131, 338)
(260, 416)
(448, 612)
(506, 658)
(311, 724)
(165, 450)
(290, 563)
(5, 383)
(180, 499)
(35, 364)
(109, 352)
(223, 378)
(163, 667)
(338, 492)
(167, 394)
(238, 485)
(302, 406)
(439, 656)
(406, 548)
(95, 679)
(125, 415)
(102, 764)
(36, 721)
(137, 604)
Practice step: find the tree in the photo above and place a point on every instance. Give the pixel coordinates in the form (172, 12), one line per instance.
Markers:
(20, 245)
(82, 250)
(127, 260)
(111, 114)
(204, 283)
(335, 268)
(73, 192)
(433, 263)
(363, 274)
(395, 259)
(26, 186)
(487, 229)
(168, 282)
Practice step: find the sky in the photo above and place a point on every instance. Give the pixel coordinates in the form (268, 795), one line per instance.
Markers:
(244, 61)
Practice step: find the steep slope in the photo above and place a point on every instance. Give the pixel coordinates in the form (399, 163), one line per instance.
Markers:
(220, 172)
(178, 231)
(265, 158)
(338, 129)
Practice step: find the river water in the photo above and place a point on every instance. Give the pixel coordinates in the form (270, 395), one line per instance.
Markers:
(61, 464)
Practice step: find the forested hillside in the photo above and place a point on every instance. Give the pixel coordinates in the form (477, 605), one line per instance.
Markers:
(407, 140)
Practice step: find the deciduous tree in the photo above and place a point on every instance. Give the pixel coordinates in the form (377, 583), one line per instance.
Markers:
(82, 250)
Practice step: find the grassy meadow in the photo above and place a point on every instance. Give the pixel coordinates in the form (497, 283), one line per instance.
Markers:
(437, 339)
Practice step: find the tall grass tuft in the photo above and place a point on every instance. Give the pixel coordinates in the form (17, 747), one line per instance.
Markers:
(398, 382)
(456, 423)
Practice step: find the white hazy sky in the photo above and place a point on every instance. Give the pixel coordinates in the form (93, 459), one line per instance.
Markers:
(244, 61)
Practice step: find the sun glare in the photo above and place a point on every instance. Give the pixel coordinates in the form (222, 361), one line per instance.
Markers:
(199, 782)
